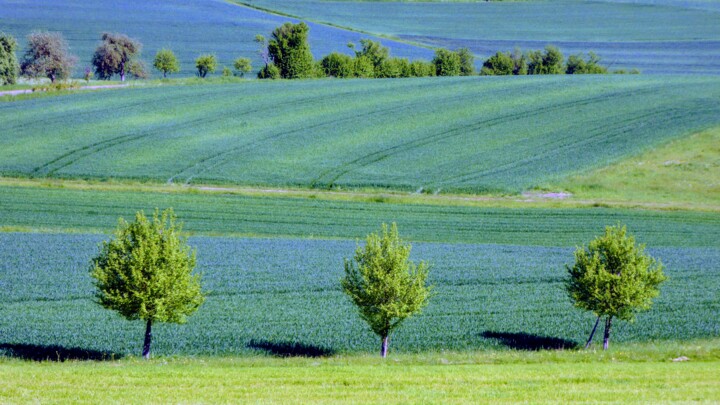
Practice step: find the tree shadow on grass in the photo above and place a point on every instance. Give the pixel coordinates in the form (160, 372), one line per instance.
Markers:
(54, 353)
(290, 349)
(526, 341)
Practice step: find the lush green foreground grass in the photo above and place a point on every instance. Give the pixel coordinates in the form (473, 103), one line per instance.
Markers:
(686, 171)
(435, 135)
(633, 374)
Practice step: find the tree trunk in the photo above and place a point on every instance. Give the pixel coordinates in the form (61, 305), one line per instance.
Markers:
(52, 77)
(148, 340)
(606, 339)
(164, 74)
(383, 353)
(122, 71)
(592, 334)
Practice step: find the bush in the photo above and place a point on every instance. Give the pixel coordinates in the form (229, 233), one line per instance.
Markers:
(419, 68)
(338, 65)
(500, 64)
(467, 62)
(548, 63)
(447, 63)
(166, 62)
(205, 64)
(363, 67)
(242, 66)
(576, 65)
(270, 71)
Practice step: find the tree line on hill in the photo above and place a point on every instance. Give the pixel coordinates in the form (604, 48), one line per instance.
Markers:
(145, 272)
(285, 55)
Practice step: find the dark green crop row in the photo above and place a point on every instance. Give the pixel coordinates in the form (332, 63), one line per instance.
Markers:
(218, 214)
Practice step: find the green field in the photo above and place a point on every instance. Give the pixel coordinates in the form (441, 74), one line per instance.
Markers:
(653, 36)
(431, 135)
(635, 375)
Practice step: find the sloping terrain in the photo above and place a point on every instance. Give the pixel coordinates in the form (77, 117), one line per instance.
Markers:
(653, 36)
(189, 28)
(432, 135)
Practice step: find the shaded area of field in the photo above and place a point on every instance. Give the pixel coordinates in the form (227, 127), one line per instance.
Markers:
(189, 28)
(282, 297)
(219, 214)
(431, 135)
(654, 36)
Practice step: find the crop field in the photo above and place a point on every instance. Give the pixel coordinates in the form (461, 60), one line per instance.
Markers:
(653, 36)
(431, 135)
(58, 209)
(282, 295)
(189, 28)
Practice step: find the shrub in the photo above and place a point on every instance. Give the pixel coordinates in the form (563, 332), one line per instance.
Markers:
(8, 60)
(205, 64)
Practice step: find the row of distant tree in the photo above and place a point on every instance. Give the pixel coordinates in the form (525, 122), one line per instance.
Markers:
(285, 55)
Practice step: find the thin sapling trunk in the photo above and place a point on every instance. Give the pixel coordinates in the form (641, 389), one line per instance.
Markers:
(383, 352)
(606, 338)
(148, 340)
(592, 334)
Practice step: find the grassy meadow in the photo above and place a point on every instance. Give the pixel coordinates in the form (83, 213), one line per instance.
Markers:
(653, 36)
(490, 134)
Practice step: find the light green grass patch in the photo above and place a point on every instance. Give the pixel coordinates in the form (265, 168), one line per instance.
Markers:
(685, 171)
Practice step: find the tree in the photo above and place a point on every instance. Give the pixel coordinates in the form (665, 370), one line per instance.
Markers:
(8, 60)
(500, 64)
(548, 63)
(205, 64)
(520, 66)
(577, 65)
(289, 49)
(145, 272)
(384, 285)
(373, 51)
(447, 63)
(613, 278)
(47, 56)
(269, 72)
(467, 62)
(420, 68)
(363, 67)
(242, 66)
(115, 55)
(166, 62)
(338, 65)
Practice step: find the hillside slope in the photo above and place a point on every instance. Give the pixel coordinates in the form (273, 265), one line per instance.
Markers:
(431, 135)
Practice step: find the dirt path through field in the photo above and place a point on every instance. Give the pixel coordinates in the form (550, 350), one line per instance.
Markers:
(27, 91)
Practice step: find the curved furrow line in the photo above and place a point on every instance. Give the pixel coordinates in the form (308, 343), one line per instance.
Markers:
(382, 154)
(620, 128)
(218, 159)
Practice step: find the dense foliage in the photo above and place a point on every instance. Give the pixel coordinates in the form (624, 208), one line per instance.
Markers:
(145, 272)
(205, 64)
(384, 284)
(8, 60)
(117, 54)
(289, 49)
(614, 278)
(48, 56)
(166, 62)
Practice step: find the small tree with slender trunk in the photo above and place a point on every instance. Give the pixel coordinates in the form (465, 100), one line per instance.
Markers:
(613, 278)
(384, 284)
(166, 62)
(8, 61)
(145, 272)
(47, 56)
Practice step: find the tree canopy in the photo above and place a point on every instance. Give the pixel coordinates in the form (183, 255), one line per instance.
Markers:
(145, 272)
(8, 60)
(205, 64)
(289, 49)
(115, 55)
(47, 56)
(384, 284)
(166, 62)
(614, 278)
